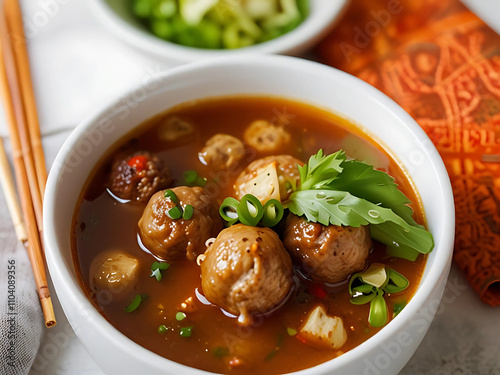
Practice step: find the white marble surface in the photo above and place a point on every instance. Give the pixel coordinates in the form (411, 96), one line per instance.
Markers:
(74, 70)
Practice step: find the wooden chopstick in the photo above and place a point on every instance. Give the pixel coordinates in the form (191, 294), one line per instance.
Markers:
(10, 195)
(15, 25)
(21, 125)
(8, 91)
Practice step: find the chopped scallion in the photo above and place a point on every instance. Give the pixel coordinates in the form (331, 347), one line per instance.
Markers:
(175, 213)
(180, 316)
(186, 331)
(250, 210)
(136, 302)
(170, 194)
(162, 329)
(156, 269)
(188, 212)
(273, 213)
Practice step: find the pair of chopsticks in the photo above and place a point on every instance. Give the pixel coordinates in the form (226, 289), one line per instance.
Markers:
(28, 158)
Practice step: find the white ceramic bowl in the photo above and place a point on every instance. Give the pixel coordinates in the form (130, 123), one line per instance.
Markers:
(384, 353)
(115, 15)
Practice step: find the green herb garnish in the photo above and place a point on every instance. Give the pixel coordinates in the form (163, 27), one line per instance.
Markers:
(162, 329)
(188, 212)
(251, 212)
(334, 190)
(221, 351)
(180, 316)
(273, 213)
(170, 194)
(156, 269)
(175, 213)
(370, 287)
(186, 331)
(136, 302)
(191, 178)
(279, 343)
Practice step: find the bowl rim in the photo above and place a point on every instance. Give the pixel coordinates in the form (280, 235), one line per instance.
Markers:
(438, 271)
(321, 19)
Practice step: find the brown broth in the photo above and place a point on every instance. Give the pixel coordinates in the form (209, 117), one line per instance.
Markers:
(101, 223)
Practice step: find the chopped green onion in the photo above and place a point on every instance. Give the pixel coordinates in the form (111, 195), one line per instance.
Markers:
(170, 194)
(273, 213)
(188, 212)
(229, 210)
(162, 329)
(398, 307)
(277, 347)
(175, 213)
(180, 316)
(221, 351)
(250, 210)
(190, 176)
(156, 269)
(186, 331)
(397, 282)
(136, 302)
(291, 331)
(378, 310)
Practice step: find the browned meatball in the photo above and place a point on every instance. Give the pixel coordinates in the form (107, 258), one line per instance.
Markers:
(222, 151)
(327, 253)
(246, 271)
(138, 176)
(172, 239)
(261, 176)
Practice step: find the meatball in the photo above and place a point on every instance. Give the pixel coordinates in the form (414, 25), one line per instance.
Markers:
(269, 177)
(175, 129)
(246, 271)
(171, 239)
(266, 137)
(138, 176)
(114, 271)
(222, 151)
(327, 253)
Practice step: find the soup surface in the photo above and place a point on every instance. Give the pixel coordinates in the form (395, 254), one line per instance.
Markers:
(202, 335)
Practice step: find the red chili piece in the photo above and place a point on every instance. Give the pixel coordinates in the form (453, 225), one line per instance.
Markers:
(317, 291)
(138, 162)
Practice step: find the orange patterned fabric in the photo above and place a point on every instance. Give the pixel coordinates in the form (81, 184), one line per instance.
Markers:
(442, 64)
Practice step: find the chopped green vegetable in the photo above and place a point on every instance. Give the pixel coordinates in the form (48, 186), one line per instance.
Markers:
(175, 213)
(220, 23)
(273, 213)
(162, 329)
(336, 191)
(180, 316)
(186, 331)
(279, 343)
(291, 331)
(192, 178)
(221, 351)
(171, 195)
(364, 288)
(398, 307)
(378, 310)
(156, 269)
(188, 212)
(250, 210)
(228, 210)
(136, 302)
